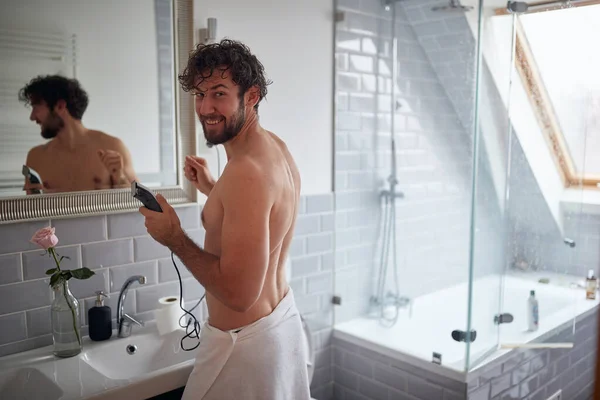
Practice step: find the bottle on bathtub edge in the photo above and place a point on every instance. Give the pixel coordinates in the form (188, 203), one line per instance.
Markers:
(591, 284)
(533, 313)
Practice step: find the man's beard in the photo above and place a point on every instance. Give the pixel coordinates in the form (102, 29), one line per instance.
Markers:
(232, 127)
(53, 124)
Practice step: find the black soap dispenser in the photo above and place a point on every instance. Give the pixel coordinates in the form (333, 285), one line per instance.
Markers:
(99, 319)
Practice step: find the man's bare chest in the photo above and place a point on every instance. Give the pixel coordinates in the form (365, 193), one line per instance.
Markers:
(82, 171)
(212, 214)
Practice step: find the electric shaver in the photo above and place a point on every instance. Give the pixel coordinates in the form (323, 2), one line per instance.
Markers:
(144, 195)
(32, 177)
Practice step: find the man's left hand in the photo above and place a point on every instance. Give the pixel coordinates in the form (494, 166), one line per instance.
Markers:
(164, 227)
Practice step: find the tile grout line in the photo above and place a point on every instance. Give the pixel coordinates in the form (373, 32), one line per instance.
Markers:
(26, 324)
(22, 268)
(105, 221)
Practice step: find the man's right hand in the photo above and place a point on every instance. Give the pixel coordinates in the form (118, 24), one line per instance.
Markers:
(113, 162)
(196, 171)
(33, 188)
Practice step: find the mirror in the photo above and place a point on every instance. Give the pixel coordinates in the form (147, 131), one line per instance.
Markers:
(89, 102)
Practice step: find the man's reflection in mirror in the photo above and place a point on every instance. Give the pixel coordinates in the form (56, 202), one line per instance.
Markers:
(75, 158)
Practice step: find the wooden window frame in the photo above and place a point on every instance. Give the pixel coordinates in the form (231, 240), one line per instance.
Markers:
(542, 105)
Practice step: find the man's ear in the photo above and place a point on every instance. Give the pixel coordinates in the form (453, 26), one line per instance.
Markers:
(252, 96)
(60, 106)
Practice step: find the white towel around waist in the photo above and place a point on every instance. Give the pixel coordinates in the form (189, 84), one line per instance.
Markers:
(266, 360)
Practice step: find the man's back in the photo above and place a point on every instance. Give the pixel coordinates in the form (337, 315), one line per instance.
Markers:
(267, 157)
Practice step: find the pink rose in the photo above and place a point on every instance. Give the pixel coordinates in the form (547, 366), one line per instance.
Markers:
(45, 238)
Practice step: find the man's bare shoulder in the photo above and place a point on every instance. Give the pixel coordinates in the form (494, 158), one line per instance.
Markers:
(282, 146)
(288, 155)
(244, 176)
(243, 168)
(39, 149)
(105, 140)
(276, 137)
(36, 154)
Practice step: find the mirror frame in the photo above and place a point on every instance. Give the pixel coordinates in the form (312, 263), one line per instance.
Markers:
(85, 203)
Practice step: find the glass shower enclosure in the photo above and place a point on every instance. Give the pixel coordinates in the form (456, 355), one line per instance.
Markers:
(455, 221)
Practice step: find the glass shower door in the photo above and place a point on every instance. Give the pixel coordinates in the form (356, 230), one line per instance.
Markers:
(489, 188)
(403, 177)
(551, 114)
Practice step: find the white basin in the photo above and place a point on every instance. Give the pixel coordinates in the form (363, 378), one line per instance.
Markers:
(103, 370)
(148, 352)
(28, 384)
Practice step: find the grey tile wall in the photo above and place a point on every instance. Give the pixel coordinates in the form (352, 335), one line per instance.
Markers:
(536, 237)
(432, 130)
(537, 374)
(533, 234)
(524, 374)
(312, 281)
(450, 47)
(363, 374)
(117, 246)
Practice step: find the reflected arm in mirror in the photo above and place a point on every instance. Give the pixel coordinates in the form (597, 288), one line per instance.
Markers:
(33, 188)
(117, 160)
(55, 109)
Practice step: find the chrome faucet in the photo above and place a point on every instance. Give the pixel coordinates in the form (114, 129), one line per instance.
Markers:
(125, 321)
(391, 299)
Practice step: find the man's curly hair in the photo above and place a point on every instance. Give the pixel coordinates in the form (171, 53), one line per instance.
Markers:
(51, 89)
(228, 55)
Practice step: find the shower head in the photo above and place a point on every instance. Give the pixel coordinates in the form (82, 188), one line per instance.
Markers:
(453, 6)
(387, 4)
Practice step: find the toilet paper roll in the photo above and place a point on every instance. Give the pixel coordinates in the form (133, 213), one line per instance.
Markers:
(167, 314)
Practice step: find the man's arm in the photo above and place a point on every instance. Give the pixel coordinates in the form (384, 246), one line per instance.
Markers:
(128, 170)
(116, 158)
(237, 277)
(126, 175)
(196, 171)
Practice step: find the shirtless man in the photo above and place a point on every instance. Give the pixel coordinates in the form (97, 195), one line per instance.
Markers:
(75, 158)
(249, 218)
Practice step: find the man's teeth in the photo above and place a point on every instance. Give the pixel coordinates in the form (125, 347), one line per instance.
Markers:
(213, 121)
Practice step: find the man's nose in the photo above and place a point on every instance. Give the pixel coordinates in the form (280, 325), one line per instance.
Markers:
(31, 117)
(205, 107)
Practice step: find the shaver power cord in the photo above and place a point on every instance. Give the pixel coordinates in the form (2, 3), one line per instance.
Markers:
(192, 321)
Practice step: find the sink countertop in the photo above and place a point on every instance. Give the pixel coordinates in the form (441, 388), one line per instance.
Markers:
(103, 370)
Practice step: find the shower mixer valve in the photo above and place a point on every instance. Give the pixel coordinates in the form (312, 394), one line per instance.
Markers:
(388, 193)
(392, 300)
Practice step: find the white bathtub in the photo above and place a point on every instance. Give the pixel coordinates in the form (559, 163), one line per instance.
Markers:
(415, 338)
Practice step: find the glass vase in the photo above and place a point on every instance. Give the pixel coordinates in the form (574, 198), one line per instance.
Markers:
(66, 332)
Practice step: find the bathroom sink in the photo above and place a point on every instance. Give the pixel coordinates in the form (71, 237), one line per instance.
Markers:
(140, 366)
(28, 384)
(138, 355)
